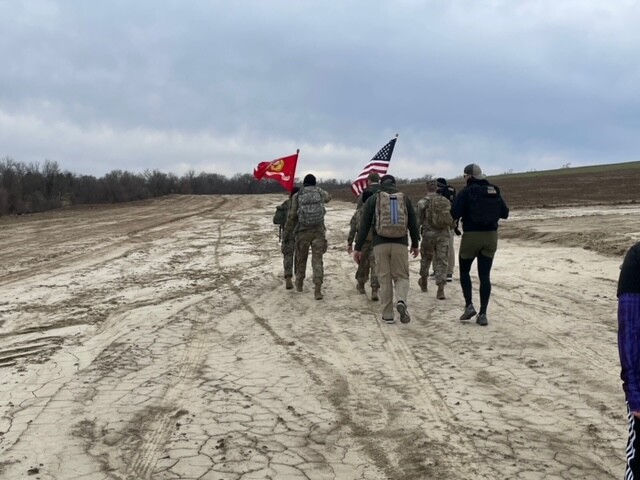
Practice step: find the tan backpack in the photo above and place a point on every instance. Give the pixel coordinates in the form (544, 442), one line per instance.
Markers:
(391, 215)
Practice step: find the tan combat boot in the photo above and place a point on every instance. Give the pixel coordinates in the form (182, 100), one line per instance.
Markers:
(374, 294)
(288, 283)
(299, 284)
(317, 292)
(422, 281)
(440, 294)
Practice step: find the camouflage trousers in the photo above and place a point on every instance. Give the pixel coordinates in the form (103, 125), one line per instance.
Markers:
(366, 265)
(288, 250)
(315, 240)
(435, 248)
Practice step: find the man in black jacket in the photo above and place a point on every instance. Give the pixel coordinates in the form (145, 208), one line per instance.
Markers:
(480, 206)
(392, 259)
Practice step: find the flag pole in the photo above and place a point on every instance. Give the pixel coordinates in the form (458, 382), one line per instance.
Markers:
(294, 170)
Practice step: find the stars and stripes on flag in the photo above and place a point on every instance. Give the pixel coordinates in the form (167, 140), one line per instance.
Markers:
(379, 164)
(282, 170)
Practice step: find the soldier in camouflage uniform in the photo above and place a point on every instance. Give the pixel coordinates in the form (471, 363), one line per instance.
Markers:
(305, 223)
(368, 262)
(435, 237)
(288, 247)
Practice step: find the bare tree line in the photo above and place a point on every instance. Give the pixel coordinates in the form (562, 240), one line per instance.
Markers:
(34, 187)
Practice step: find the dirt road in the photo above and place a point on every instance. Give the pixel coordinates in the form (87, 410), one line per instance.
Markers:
(156, 340)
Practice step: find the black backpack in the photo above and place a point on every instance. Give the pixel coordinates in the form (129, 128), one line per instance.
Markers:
(485, 207)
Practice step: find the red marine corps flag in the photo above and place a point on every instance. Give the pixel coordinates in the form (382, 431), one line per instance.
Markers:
(379, 164)
(282, 170)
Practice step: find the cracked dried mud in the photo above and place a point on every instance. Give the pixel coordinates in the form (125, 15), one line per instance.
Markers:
(156, 340)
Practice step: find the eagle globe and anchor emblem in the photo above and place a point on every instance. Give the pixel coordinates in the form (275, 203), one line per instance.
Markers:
(277, 165)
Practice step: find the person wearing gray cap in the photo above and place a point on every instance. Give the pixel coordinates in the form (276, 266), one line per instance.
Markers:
(479, 206)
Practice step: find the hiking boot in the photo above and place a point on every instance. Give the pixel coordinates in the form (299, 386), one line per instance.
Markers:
(481, 320)
(469, 312)
(374, 294)
(317, 292)
(422, 281)
(403, 311)
(299, 284)
(388, 321)
(288, 283)
(360, 287)
(449, 277)
(440, 294)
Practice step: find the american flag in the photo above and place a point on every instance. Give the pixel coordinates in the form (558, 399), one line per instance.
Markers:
(379, 163)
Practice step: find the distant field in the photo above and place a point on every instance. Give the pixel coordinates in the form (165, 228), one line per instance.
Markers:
(592, 185)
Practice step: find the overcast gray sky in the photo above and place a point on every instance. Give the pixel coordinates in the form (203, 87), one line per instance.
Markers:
(219, 86)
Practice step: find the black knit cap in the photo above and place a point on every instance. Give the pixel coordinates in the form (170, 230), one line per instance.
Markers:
(309, 180)
(441, 182)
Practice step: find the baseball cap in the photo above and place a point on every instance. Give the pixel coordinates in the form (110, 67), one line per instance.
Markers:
(474, 170)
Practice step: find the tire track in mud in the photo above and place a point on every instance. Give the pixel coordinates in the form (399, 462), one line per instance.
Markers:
(154, 438)
(107, 251)
(106, 334)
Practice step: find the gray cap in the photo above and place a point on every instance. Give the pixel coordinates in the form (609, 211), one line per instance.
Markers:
(474, 170)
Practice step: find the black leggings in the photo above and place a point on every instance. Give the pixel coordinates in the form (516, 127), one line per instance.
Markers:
(484, 274)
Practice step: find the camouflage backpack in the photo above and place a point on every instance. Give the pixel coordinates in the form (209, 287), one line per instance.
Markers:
(391, 215)
(439, 213)
(280, 217)
(310, 206)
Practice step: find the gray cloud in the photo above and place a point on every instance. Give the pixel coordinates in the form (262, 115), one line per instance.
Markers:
(220, 86)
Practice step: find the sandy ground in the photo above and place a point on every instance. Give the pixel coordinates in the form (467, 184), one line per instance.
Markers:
(157, 341)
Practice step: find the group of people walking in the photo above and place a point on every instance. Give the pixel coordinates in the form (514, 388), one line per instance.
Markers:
(386, 228)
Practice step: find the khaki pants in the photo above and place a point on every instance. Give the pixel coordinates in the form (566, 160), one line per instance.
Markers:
(452, 254)
(392, 263)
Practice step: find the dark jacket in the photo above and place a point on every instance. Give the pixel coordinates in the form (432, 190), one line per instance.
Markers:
(480, 205)
(373, 188)
(448, 192)
(368, 221)
(629, 326)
